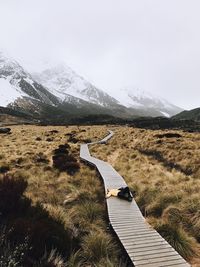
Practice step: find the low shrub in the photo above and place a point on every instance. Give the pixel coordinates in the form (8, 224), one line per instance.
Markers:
(168, 135)
(41, 158)
(4, 168)
(63, 161)
(34, 222)
(49, 139)
(12, 254)
(38, 225)
(11, 193)
(54, 131)
(62, 149)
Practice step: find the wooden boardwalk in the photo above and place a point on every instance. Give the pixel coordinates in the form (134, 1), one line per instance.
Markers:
(145, 247)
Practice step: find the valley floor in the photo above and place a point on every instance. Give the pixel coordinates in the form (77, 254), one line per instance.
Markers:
(48, 204)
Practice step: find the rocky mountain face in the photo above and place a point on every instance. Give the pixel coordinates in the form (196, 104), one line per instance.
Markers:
(18, 84)
(59, 93)
(64, 82)
(21, 92)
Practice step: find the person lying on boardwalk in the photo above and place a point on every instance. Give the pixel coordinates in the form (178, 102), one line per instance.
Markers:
(123, 193)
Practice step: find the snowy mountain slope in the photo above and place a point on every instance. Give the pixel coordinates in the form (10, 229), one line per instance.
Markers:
(63, 81)
(59, 91)
(142, 100)
(19, 91)
(8, 93)
(16, 83)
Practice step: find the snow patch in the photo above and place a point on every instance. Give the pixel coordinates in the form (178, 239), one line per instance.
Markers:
(165, 114)
(8, 93)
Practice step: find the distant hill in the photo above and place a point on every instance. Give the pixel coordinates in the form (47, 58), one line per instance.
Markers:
(193, 114)
(166, 123)
(9, 116)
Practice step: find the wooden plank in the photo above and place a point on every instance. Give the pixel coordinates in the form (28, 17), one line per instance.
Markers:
(126, 217)
(144, 239)
(130, 225)
(133, 250)
(139, 227)
(138, 235)
(162, 264)
(132, 221)
(154, 253)
(128, 243)
(133, 232)
(159, 259)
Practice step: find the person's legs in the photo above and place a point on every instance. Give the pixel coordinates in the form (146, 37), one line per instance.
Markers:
(125, 193)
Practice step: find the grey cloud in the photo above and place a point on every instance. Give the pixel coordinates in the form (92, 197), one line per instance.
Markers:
(150, 44)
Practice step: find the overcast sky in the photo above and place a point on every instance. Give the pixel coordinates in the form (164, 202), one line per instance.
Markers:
(149, 44)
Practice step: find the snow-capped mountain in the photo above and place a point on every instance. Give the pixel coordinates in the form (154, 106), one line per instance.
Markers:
(16, 84)
(59, 92)
(142, 100)
(62, 81)
(21, 92)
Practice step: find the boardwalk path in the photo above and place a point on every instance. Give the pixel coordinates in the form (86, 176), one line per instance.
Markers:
(145, 247)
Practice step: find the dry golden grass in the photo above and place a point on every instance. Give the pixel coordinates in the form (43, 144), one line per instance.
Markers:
(75, 201)
(165, 173)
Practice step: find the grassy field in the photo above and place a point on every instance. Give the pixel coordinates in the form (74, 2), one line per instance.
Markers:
(163, 167)
(52, 206)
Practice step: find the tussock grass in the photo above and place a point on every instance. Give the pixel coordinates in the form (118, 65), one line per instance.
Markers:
(163, 167)
(51, 259)
(167, 196)
(97, 245)
(60, 208)
(173, 215)
(161, 202)
(178, 239)
(89, 211)
(76, 260)
(110, 263)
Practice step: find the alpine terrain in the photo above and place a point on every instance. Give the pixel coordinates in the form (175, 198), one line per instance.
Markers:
(59, 93)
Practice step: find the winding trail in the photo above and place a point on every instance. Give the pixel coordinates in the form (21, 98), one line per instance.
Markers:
(144, 246)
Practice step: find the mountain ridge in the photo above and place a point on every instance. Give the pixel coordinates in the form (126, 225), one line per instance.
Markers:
(62, 92)
(63, 80)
